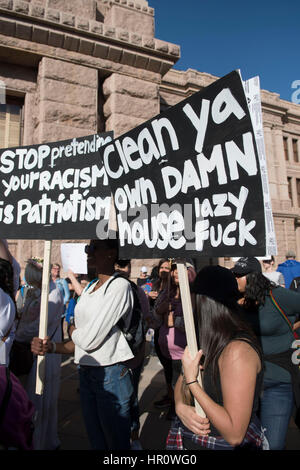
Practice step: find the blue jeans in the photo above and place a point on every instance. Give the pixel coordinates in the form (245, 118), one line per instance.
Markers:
(276, 409)
(135, 412)
(106, 395)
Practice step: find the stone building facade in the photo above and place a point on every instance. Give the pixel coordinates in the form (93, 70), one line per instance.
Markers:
(71, 68)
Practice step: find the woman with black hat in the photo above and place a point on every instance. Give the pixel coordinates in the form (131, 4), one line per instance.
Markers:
(272, 310)
(232, 377)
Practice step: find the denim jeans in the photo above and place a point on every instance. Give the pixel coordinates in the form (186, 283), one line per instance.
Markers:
(106, 395)
(276, 409)
(135, 412)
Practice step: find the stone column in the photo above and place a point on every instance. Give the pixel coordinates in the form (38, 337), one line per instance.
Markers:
(129, 102)
(281, 238)
(290, 150)
(294, 193)
(270, 162)
(29, 118)
(291, 240)
(67, 101)
(281, 168)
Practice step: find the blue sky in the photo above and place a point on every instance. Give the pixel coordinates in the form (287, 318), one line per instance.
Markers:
(218, 36)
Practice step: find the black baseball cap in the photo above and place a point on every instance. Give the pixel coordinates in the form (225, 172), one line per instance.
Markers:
(217, 283)
(246, 266)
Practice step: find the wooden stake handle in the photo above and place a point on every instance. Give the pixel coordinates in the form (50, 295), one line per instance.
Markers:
(188, 319)
(41, 360)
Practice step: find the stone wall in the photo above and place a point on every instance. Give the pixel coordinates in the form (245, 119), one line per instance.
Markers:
(129, 102)
(84, 66)
(139, 20)
(110, 43)
(67, 101)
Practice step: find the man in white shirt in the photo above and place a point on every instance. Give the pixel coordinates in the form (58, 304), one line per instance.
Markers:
(106, 388)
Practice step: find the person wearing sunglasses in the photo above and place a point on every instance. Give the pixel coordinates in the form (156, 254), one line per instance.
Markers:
(100, 348)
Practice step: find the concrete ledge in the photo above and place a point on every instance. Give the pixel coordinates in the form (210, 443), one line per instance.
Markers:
(51, 16)
(130, 4)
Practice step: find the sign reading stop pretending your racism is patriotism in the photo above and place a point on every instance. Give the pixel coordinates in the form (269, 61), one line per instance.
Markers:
(56, 190)
(52, 191)
(188, 182)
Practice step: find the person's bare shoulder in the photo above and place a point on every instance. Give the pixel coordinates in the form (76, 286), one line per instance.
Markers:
(239, 351)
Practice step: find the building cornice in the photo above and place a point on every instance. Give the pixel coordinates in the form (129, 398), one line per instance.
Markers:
(130, 5)
(185, 83)
(189, 81)
(287, 215)
(63, 30)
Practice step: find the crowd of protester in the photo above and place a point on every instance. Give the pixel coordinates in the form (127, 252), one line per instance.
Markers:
(246, 319)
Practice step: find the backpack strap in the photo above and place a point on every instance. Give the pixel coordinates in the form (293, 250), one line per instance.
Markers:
(115, 276)
(90, 283)
(284, 316)
(7, 395)
(120, 323)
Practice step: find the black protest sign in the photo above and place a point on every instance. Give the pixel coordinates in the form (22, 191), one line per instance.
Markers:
(188, 182)
(57, 190)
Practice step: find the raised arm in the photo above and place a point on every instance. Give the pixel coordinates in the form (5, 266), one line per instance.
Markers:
(77, 286)
(66, 290)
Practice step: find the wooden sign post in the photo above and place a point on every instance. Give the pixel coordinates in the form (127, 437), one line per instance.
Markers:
(188, 318)
(41, 360)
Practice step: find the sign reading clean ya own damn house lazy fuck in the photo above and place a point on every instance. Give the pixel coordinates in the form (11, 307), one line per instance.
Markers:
(188, 181)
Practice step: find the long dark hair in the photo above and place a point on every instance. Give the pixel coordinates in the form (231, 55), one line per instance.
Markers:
(7, 278)
(156, 286)
(257, 287)
(218, 325)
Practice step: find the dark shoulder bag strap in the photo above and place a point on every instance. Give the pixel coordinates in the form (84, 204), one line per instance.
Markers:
(120, 323)
(115, 276)
(284, 316)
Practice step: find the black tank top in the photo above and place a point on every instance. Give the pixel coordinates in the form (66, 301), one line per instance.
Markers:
(213, 387)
